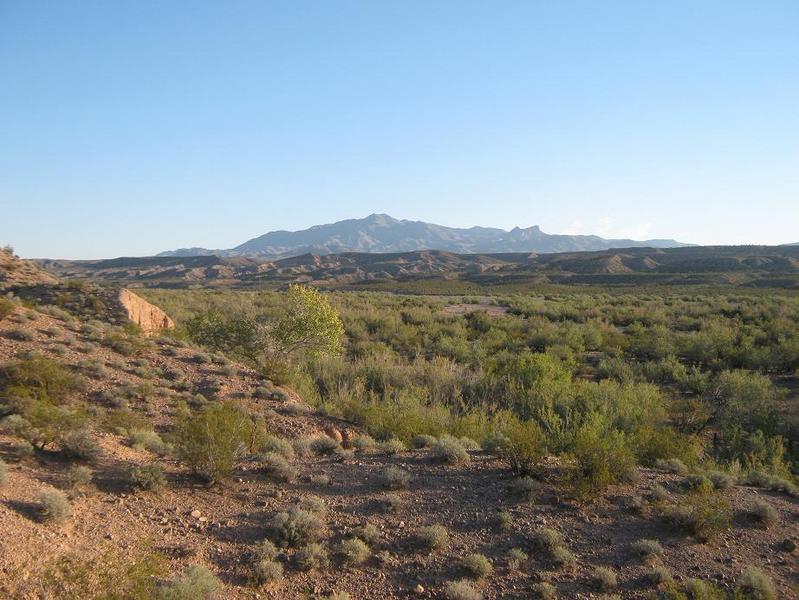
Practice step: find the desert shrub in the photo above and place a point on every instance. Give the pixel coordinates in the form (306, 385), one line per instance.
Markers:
(602, 459)
(278, 445)
(765, 514)
(390, 503)
(20, 334)
(296, 527)
(40, 378)
(543, 590)
(394, 478)
(703, 590)
(468, 443)
(392, 446)
(6, 307)
(756, 585)
(422, 441)
(461, 590)
(659, 575)
(147, 477)
(432, 537)
(323, 444)
(313, 504)
(604, 579)
(353, 552)
(146, 439)
(646, 550)
(312, 557)
(368, 533)
(277, 467)
(364, 443)
(54, 506)
(320, 479)
(448, 449)
(504, 520)
(546, 538)
(80, 444)
(672, 465)
(24, 449)
(520, 444)
(212, 440)
(196, 583)
(772, 482)
(702, 513)
(526, 488)
(515, 558)
(79, 476)
(563, 558)
(302, 446)
(477, 566)
(266, 570)
(721, 480)
(3, 472)
(16, 425)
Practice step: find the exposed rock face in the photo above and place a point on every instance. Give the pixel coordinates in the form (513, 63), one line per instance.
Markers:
(149, 317)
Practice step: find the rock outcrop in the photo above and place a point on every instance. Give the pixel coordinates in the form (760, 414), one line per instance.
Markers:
(149, 317)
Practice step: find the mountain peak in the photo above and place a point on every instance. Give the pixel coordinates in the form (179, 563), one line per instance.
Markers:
(381, 233)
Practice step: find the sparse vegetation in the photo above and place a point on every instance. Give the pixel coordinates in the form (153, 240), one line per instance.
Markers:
(432, 537)
(395, 478)
(477, 566)
(54, 506)
(461, 590)
(147, 477)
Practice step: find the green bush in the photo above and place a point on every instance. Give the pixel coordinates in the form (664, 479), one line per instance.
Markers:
(432, 537)
(765, 514)
(296, 527)
(602, 458)
(702, 513)
(267, 571)
(604, 579)
(54, 506)
(756, 585)
(211, 441)
(353, 552)
(394, 478)
(516, 557)
(80, 444)
(312, 557)
(461, 590)
(278, 467)
(543, 590)
(521, 444)
(448, 449)
(196, 583)
(647, 550)
(79, 476)
(148, 477)
(477, 566)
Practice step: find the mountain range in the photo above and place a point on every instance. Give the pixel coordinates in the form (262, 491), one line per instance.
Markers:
(382, 233)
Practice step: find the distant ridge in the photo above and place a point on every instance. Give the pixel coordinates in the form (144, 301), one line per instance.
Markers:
(382, 233)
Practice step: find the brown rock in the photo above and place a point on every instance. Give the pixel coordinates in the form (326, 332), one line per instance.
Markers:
(334, 433)
(149, 317)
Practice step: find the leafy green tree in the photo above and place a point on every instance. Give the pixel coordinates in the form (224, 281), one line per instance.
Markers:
(311, 325)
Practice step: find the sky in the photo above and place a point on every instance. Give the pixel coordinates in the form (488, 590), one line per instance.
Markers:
(128, 128)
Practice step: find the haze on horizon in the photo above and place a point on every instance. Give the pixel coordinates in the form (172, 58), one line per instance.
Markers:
(133, 129)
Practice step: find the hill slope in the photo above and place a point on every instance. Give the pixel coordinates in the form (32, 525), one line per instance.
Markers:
(740, 265)
(382, 233)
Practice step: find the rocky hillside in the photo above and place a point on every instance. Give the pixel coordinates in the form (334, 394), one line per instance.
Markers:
(382, 233)
(740, 265)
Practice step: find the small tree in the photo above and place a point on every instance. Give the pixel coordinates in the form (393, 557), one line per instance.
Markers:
(311, 324)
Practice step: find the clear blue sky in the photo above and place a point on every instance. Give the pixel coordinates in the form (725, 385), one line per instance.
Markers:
(127, 128)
